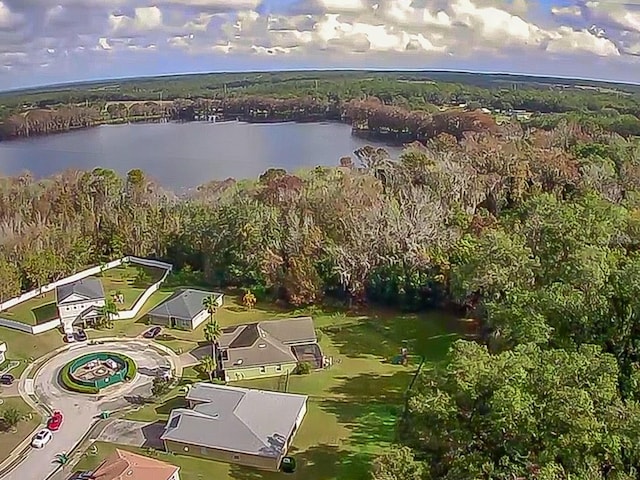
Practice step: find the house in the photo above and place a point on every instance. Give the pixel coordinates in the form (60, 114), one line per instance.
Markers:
(123, 465)
(264, 349)
(79, 302)
(235, 425)
(183, 309)
(3, 350)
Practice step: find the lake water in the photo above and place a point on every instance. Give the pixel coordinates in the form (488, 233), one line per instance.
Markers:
(184, 155)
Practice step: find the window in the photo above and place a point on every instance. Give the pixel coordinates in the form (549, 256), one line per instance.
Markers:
(279, 368)
(236, 457)
(225, 355)
(263, 369)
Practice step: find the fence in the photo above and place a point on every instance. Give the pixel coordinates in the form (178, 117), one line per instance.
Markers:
(123, 315)
(127, 314)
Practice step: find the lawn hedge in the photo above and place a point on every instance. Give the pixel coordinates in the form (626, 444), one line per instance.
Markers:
(132, 368)
(69, 383)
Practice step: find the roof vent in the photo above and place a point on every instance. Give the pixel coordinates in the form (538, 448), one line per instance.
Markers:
(262, 345)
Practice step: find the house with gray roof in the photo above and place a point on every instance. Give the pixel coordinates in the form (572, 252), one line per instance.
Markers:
(235, 425)
(264, 349)
(183, 309)
(79, 302)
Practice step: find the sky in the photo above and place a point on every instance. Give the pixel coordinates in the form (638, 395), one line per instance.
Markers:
(53, 41)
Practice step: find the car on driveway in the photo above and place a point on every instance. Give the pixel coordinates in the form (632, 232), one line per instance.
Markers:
(55, 422)
(70, 337)
(81, 335)
(41, 438)
(152, 332)
(7, 379)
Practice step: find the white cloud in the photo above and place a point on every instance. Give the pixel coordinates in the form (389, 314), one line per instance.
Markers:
(8, 19)
(104, 44)
(403, 33)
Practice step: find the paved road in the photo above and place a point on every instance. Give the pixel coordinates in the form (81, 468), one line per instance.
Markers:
(79, 410)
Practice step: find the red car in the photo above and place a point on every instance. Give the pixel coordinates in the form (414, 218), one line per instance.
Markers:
(55, 422)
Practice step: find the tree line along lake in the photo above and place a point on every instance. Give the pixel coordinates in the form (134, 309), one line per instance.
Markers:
(184, 155)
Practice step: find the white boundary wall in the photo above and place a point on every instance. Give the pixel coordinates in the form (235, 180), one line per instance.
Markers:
(125, 314)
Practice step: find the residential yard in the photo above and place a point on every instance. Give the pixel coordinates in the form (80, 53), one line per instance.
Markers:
(38, 310)
(11, 439)
(27, 347)
(131, 280)
(353, 406)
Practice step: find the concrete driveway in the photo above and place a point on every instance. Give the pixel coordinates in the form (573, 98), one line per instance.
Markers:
(80, 411)
(136, 434)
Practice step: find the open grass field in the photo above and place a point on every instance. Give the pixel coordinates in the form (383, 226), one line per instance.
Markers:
(353, 406)
(35, 311)
(27, 347)
(11, 439)
(125, 279)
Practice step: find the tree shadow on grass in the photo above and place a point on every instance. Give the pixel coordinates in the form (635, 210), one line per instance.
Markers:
(323, 462)
(171, 404)
(45, 313)
(369, 406)
(384, 337)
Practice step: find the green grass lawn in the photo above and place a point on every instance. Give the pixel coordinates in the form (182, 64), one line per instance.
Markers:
(27, 347)
(11, 439)
(352, 407)
(123, 279)
(35, 311)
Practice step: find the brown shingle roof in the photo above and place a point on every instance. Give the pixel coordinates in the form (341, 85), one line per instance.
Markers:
(123, 465)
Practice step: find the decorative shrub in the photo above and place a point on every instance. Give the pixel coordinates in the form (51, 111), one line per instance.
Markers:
(303, 368)
(131, 366)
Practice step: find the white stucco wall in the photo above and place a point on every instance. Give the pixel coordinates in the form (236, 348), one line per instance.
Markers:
(198, 319)
(70, 312)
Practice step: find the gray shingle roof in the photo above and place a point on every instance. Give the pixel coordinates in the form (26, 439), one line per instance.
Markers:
(184, 304)
(291, 331)
(266, 343)
(235, 419)
(89, 288)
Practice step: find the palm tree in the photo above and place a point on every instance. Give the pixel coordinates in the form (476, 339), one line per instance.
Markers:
(208, 365)
(107, 312)
(212, 333)
(210, 304)
(12, 417)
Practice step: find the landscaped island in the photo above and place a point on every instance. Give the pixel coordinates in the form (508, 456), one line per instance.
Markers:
(95, 371)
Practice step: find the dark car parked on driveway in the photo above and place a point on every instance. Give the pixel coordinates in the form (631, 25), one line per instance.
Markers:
(7, 379)
(152, 332)
(81, 335)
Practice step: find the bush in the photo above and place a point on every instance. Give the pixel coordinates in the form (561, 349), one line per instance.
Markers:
(131, 366)
(69, 383)
(303, 368)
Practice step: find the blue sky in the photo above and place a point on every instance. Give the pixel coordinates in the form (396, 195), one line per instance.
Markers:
(50, 41)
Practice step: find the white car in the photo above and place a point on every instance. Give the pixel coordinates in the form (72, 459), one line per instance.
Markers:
(42, 438)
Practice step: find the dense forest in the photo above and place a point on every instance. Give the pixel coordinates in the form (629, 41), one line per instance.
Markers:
(299, 96)
(535, 232)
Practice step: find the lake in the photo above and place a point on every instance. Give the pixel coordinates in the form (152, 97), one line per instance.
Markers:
(184, 155)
